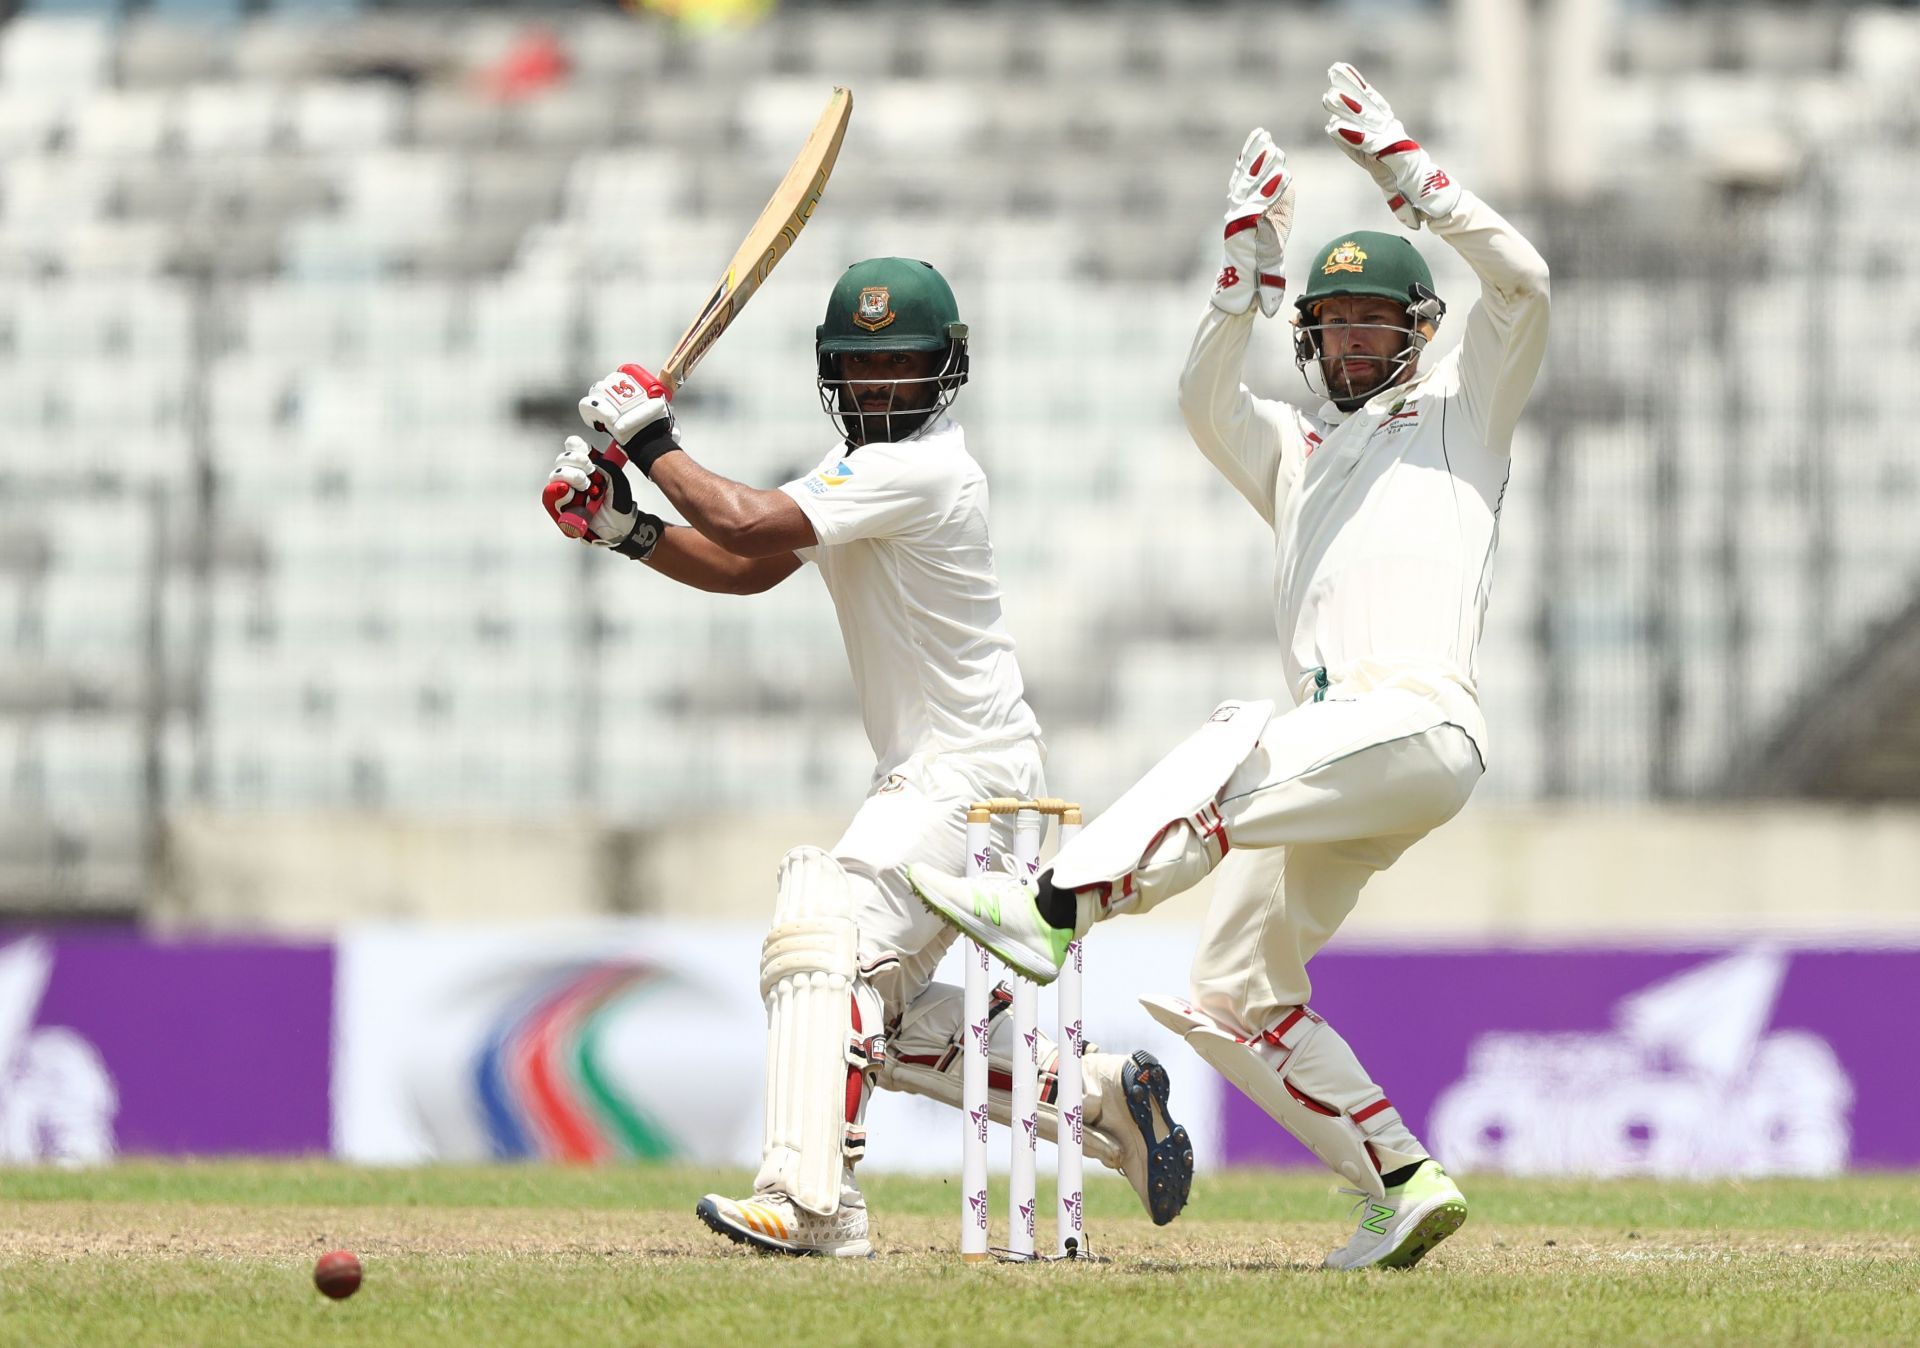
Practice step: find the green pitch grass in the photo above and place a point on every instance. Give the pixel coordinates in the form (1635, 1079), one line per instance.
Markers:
(222, 1253)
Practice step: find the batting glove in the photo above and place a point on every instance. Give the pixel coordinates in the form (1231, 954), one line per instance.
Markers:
(589, 497)
(635, 409)
(1365, 128)
(1259, 218)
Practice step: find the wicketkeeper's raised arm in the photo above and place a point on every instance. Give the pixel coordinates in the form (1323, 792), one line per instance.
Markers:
(1507, 329)
(1246, 439)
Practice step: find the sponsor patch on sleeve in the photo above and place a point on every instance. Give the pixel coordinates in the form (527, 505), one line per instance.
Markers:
(838, 475)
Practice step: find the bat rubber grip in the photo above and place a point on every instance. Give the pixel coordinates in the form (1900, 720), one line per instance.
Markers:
(574, 522)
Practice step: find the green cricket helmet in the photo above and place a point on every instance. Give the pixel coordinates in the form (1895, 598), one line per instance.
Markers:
(890, 304)
(1366, 262)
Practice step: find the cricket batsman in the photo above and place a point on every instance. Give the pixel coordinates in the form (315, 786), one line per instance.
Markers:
(1385, 506)
(895, 518)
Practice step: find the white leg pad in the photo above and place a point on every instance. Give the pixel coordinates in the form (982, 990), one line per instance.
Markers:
(1175, 788)
(1308, 1081)
(807, 967)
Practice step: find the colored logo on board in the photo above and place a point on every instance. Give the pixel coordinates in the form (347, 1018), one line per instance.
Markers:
(1691, 1081)
(57, 1098)
(546, 1075)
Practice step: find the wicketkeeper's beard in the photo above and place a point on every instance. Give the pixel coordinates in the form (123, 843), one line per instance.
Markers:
(1348, 393)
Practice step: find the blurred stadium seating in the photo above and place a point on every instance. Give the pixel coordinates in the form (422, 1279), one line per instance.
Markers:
(295, 300)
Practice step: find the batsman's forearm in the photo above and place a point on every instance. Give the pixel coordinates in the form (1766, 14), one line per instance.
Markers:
(746, 521)
(684, 555)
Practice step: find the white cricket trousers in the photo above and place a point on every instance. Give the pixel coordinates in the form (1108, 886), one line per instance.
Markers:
(919, 814)
(1333, 792)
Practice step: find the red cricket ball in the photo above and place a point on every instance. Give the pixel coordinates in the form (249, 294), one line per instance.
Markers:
(337, 1273)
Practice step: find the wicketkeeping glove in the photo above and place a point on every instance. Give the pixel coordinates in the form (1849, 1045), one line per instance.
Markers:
(589, 497)
(1364, 126)
(635, 409)
(1259, 218)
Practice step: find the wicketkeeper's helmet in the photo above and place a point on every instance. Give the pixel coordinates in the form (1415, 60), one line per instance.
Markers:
(1367, 262)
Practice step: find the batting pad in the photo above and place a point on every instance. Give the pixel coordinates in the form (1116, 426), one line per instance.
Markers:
(807, 967)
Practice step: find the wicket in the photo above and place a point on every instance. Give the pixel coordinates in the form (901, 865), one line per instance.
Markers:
(1029, 824)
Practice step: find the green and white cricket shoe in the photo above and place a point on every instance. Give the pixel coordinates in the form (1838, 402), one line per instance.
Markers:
(1413, 1218)
(996, 910)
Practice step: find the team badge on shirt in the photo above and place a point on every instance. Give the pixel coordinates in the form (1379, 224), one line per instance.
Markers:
(875, 310)
(1348, 256)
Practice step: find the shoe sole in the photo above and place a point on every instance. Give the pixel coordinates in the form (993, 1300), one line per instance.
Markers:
(709, 1213)
(1015, 958)
(1170, 1160)
(1428, 1232)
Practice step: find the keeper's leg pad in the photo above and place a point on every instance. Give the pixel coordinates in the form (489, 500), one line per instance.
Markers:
(807, 968)
(1306, 1078)
(923, 1058)
(1174, 789)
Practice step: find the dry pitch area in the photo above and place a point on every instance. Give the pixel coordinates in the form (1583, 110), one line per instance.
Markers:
(221, 1254)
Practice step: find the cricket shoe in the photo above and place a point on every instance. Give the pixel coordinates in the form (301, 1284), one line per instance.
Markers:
(1398, 1230)
(1128, 1108)
(996, 909)
(772, 1222)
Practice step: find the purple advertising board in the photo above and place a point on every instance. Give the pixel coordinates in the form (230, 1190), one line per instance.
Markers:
(1751, 1059)
(123, 1044)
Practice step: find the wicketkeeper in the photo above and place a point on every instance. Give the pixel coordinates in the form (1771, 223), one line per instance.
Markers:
(895, 518)
(1385, 505)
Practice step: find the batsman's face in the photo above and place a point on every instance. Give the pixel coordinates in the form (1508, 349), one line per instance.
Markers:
(872, 380)
(1362, 339)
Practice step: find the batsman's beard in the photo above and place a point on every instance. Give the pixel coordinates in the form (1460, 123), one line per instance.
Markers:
(876, 411)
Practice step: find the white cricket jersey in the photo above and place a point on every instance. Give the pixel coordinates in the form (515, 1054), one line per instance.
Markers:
(905, 554)
(1385, 519)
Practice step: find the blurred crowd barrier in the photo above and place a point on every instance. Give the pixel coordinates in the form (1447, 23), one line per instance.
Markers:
(1494, 874)
(295, 302)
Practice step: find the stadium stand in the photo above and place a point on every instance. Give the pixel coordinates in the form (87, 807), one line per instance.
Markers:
(299, 297)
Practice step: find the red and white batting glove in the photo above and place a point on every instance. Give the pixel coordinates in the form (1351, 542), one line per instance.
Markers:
(1364, 126)
(1259, 218)
(589, 497)
(637, 411)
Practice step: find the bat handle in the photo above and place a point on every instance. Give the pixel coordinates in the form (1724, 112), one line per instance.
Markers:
(569, 511)
(575, 515)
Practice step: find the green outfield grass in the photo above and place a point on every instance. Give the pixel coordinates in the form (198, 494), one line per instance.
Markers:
(221, 1253)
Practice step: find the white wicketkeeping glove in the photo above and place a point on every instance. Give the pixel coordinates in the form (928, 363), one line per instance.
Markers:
(591, 498)
(1259, 218)
(636, 410)
(1364, 126)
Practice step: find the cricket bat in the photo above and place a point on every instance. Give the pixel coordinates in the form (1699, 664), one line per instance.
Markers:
(779, 224)
(785, 215)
